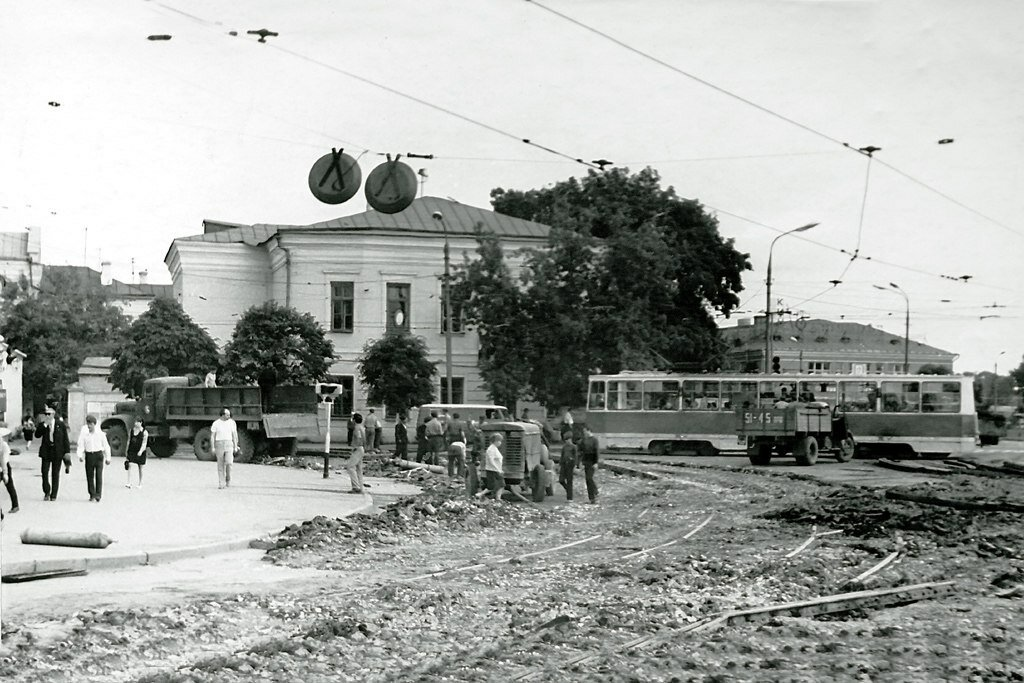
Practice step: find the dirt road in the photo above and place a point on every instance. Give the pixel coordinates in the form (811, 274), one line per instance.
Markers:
(443, 588)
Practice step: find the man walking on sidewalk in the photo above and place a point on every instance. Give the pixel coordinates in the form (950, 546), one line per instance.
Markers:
(95, 451)
(224, 436)
(53, 446)
(354, 466)
(588, 450)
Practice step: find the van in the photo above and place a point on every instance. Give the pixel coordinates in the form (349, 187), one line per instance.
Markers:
(481, 412)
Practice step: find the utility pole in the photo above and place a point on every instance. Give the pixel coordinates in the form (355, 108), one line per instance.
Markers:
(768, 303)
(446, 297)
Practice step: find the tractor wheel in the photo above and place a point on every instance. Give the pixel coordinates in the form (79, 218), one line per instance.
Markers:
(163, 448)
(537, 484)
(847, 447)
(472, 481)
(117, 437)
(760, 454)
(807, 452)
(246, 446)
(202, 445)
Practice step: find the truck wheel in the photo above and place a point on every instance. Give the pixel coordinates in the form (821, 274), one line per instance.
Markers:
(117, 437)
(807, 452)
(163, 448)
(202, 445)
(246, 446)
(537, 483)
(760, 454)
(847, 447)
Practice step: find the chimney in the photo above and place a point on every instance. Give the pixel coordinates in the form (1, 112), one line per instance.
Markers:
(143, 277)
(105, 278)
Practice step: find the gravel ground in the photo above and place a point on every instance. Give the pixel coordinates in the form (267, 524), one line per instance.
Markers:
(493, 611)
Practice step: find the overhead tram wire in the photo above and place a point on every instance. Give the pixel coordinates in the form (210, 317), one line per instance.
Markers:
(728, 93)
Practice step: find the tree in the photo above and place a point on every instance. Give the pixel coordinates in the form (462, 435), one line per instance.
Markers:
(290, 342)
(632, 277)
(397, 371)
(934, 369)
(58, 327)
(163, 341)
(492, 302)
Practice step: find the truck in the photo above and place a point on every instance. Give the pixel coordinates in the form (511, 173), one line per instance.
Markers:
(803, 429)
(178, 413)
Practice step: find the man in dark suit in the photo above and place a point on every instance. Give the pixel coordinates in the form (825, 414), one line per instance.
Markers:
(401, 438)
(53, 446)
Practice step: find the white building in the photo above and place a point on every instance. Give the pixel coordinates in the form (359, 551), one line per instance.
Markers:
(358, 275)
(21, 255)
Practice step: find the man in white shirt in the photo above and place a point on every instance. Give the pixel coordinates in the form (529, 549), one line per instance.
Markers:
(95, 451)
(493, 461)
(224, 437)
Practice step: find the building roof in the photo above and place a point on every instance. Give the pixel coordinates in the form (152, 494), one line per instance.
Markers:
(87, 277)
(96, 365)
(827, 336)
(460, 219)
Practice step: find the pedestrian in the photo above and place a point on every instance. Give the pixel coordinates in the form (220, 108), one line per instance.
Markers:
(435, 438)
(401, 438)
(135, 455)
(224, 436)
(95, 451)
(351, 425)
(566, 467)
(492, 468)
(567, 426)
(28, 430)
(525, 417)
(373, 431)
(354, 466)
(267, 380)
(54, 445)
(456, 459)
(6, 473)
(211, 378)
(422, 443)
(589, 454)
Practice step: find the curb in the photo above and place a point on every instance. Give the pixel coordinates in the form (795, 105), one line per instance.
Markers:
(142, 557)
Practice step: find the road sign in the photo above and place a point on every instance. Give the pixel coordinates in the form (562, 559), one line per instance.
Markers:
(391, 187)
(335, 177)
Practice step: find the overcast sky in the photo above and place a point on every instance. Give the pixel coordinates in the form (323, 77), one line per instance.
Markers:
(151, 137)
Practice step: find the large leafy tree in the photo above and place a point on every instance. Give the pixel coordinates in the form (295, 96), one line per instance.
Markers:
(58, 327)
(397, 371)
(632, 277)
(493, 303)
(163, 341)
(290, 342)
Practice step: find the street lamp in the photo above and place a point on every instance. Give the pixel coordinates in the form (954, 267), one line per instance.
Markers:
(439, 217)
(906, 329)
(768, 305)
(995, 379)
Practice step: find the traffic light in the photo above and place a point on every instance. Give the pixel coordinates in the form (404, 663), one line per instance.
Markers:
(326, 393)
(776, 364)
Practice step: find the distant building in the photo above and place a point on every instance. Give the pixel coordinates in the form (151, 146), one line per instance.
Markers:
(132, 299)
(359, 276)
(21, 255)
(823, 346)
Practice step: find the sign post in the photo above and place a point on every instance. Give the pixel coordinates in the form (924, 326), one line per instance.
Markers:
(326, 393)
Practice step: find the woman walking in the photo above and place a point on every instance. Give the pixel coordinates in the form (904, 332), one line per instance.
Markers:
(135, 456)
(6, 473)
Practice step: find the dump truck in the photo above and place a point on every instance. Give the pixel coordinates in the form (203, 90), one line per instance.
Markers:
(178, 413)
(803, 429)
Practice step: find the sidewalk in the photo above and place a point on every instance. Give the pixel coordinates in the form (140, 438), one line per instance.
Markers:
(178, 513)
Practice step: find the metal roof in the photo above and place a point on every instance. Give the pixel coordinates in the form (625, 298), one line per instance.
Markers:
(827, 335)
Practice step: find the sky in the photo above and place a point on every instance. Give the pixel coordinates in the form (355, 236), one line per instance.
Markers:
(743, 105)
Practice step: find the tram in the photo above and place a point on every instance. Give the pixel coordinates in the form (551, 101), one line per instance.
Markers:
(670, 413)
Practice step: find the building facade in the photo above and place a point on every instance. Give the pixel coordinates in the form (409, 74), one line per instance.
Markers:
(359, 276)
(826, 346)
(21, 256)
(92, 393)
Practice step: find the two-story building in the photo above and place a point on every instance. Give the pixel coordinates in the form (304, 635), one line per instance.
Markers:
(359, 276)
(827, 346)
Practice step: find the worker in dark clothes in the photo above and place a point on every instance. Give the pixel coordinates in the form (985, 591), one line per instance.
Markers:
(267, 380)
(589, 453)
(401, 438)
(421, 440)
(566, 467)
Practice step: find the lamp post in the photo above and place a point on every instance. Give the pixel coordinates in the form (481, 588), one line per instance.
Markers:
(768, 304)
(906, 329)
(995, 380)
(445, 294)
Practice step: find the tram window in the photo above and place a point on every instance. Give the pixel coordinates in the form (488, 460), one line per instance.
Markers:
(940, 397)
(661, 395)
(773, 392)
(824, 392)
(700, 395)
(738, 395)
(596, 399)
(858, 397)
(901, 397)
(624, 395)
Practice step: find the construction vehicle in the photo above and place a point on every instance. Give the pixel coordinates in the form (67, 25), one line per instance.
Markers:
(176, 412)
(525, 466)
(804, 429)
